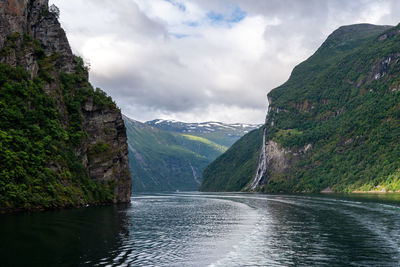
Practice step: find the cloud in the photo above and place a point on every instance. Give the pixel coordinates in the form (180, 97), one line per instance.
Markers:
(200, 60)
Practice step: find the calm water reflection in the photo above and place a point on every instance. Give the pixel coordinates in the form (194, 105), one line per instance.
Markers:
(194, 229)
(62, 238)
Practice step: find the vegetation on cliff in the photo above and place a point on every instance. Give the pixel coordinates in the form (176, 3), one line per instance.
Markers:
(231, 170)
(39, 166)
(47, 135)
(344, 103)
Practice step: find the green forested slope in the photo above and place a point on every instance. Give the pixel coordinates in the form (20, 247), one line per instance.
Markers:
(62, 142)
(231, 170)
(38, 164)
(167, 161)
(344, 101)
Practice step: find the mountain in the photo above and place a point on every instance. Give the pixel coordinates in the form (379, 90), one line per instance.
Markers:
(221, 133)
(333, 126)
(169, 155)
(62, 143)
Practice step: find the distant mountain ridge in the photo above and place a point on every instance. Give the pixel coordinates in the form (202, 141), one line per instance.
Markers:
(168, 155)
(202, 127)
(222, 133)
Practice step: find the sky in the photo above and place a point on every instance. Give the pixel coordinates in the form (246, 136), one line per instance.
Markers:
(204, 60)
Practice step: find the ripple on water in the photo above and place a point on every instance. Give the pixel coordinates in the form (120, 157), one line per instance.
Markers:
(209, 230)
(186, 231)
(254, 230)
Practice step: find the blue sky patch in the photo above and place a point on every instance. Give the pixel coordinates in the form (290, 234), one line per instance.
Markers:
(179, 35)
(215, 17)
(234, 15)
(192, 23)
(179, 5)
(237, 15)
(231, 15)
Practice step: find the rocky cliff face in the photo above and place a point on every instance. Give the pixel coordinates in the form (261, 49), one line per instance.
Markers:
(104, 125)
(275, 160)
(333, 126)
(279, 159)
(32, 17)
(32, 38)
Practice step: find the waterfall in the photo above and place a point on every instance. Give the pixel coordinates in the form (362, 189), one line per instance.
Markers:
(262, 166)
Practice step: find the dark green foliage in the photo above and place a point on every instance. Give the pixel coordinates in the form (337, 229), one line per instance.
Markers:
(76, 91)
(39, 167)
(235, 168)
(355, 132)
(99, 148)
(334, 101)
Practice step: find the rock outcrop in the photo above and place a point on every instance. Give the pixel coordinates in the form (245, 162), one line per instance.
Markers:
(30, 21)
(333, 126)
(104, 125)
(275, 160)
(32, 17)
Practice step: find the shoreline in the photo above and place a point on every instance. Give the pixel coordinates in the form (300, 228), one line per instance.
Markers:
(375, 192)
(58, 208)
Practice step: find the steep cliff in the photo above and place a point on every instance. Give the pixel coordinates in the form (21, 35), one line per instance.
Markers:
(334, 125)
(62, 142)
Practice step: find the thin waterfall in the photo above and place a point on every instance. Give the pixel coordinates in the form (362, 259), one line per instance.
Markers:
(262, 165)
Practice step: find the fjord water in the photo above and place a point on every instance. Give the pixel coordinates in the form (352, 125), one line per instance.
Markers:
(194, 229)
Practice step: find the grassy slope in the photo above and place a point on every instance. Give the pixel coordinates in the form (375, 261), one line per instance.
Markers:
(352, 120)
(203, 140)
(165, 161)
(223, 134)
(231, 170)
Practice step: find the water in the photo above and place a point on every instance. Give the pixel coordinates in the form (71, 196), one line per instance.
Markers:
(194, 229)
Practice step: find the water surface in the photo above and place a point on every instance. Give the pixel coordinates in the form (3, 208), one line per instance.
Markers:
(195, 229)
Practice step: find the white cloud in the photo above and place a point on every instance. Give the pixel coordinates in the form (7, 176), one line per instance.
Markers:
(201, 60)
